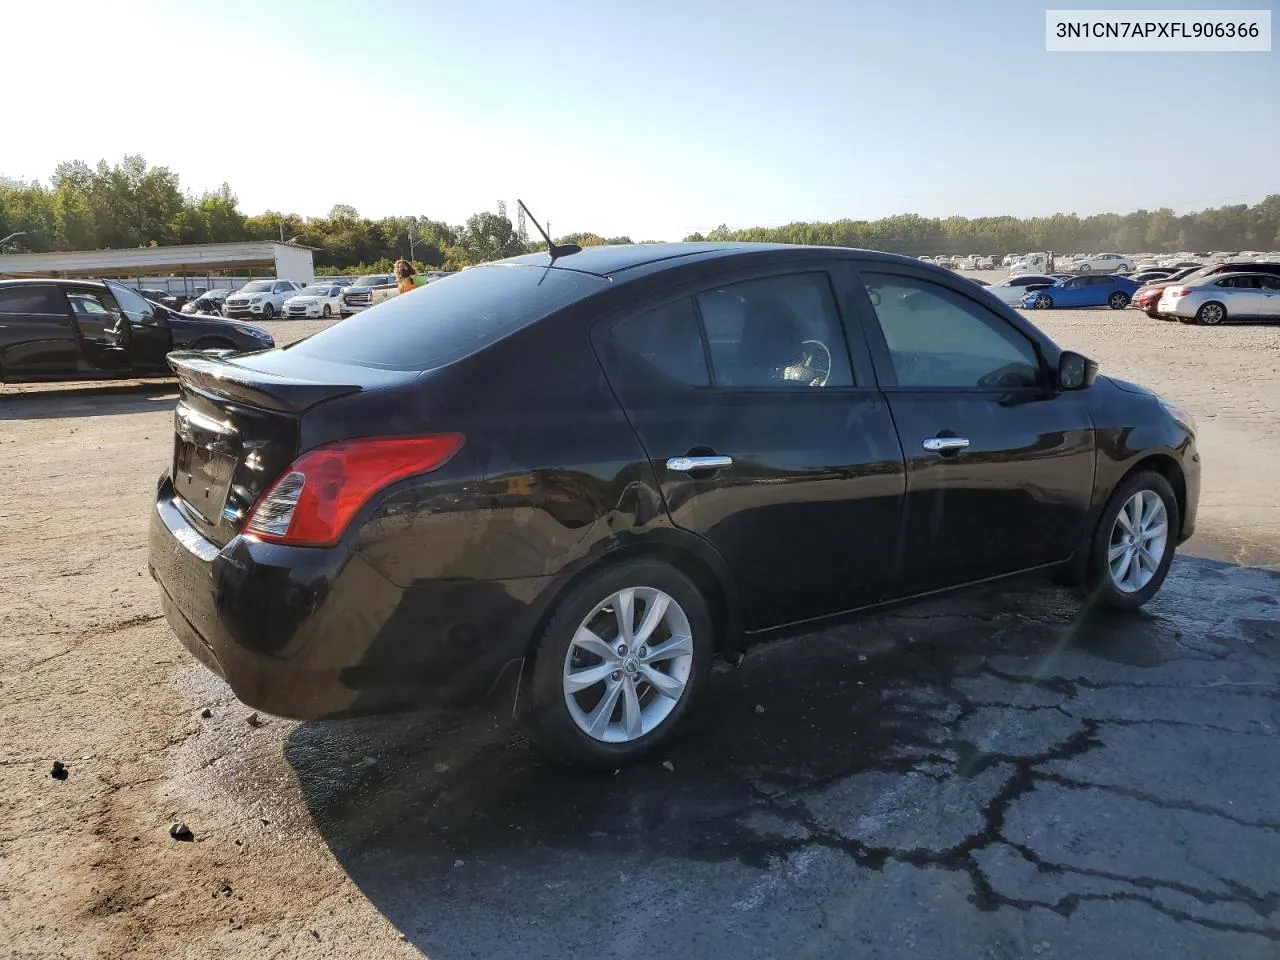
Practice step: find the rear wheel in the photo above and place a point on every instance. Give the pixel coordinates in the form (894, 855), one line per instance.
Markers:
(1211, 313)
(1133, 545)
(1085, 268)
(1118, 300)
(620, 664)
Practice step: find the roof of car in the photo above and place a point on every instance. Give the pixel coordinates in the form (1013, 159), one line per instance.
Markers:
(608, 261)
(59, 281)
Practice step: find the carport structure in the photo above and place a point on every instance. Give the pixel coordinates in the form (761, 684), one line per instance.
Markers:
(201, 260)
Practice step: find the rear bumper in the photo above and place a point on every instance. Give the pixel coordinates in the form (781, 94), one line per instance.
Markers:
(312, 633)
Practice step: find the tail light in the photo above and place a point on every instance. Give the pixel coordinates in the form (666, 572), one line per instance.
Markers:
(1177, 291)
(314, 500)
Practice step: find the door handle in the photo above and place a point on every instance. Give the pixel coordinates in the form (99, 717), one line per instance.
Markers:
(690, 464)
(945, 444)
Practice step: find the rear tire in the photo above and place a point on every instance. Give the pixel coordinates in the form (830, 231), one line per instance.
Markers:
(1110, 545)
(560, 728)
(1084, 268)
(1118, 300)
(1211, 313)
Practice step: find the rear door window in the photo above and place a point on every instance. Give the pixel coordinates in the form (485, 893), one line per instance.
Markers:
(659, 349)
(450, 318)
(25, 301)
(779, 332)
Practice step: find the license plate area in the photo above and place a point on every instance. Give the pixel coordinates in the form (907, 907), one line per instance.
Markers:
(202, 477)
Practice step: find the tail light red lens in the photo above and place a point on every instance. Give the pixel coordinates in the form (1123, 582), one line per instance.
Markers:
(314, 500)
(1177, 291)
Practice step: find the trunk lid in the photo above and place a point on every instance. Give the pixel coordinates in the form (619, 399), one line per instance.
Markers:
(238, 426)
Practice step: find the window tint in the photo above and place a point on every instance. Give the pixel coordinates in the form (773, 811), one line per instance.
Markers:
(450, 318)
(1269, 283)
(31, 300)
(779, 332)
(938, 338)
(136, 307)
(661, 345)
(86, 304)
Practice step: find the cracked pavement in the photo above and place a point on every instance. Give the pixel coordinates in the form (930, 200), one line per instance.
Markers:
(997, 774)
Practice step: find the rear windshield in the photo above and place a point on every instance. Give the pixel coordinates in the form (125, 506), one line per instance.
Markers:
(449, 318)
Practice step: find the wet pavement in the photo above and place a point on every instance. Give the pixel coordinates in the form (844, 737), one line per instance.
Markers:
(1002, 774)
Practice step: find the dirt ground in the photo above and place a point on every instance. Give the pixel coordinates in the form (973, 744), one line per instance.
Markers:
(995, 775)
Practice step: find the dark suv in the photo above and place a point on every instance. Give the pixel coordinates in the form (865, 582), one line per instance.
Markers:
(89, 329)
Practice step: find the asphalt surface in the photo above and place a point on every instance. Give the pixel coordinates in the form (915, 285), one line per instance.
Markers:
(1002, 775)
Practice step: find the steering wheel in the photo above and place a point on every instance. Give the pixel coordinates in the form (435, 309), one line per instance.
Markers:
(814, 366)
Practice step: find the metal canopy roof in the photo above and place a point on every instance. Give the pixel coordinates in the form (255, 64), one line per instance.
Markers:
(191, 258)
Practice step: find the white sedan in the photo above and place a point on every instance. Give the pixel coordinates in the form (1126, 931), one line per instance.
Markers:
(319, 300)
(1011, 289)
(1104, 263)
(1221, 297)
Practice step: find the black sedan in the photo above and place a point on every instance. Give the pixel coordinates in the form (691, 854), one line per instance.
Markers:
(90, 329)
(591, 476)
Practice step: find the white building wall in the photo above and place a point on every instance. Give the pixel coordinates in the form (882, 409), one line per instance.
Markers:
(293, 263)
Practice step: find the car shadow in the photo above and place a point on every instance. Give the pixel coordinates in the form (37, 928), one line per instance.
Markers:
(473, 843)
(46, 402)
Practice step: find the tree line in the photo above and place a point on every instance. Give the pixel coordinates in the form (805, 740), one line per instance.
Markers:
(132, 204)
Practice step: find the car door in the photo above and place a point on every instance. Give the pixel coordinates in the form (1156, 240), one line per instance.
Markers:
(1245, 297)
(149, 336)
(37, 336)
(1269, 297)
(102, 328)
(763, 439)
(999, 465)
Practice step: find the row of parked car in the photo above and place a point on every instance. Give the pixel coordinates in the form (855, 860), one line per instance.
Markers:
(1208, 294)
(269, 299)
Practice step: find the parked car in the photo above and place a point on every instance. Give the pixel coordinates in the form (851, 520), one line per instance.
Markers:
(260, 298)
(367, 291)
(1084, 291)
(209, 302)
(1147, 298)
(590, 476)
(1229, 296)
(986, 263)
(1011, 289)
(1154, 273)
(318, 300)
(1110, 263)
(88, 329)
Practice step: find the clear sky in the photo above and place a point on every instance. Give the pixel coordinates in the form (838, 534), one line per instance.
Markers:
(652, 118)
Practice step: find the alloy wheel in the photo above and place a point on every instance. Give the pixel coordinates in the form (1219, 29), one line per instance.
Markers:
(1212, 313)
(1139, 539)
(628, 665)
(1043, 302)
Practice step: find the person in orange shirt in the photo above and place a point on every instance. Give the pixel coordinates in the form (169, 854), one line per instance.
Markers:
(404, 276)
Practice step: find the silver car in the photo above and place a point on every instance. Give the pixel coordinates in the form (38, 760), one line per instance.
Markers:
(1223, 296)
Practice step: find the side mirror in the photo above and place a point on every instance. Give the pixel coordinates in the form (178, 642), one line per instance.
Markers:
(1075, 371)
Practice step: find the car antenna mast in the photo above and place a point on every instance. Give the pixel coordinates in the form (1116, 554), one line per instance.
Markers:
(556, 250)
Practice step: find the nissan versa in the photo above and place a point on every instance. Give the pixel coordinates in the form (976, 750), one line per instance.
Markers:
(585, 474)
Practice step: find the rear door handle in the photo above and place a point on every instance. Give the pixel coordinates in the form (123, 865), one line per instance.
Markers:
(944, 444)
(690, 464)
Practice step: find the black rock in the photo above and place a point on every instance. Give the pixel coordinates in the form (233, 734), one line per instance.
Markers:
(206, 713)
(59, 772)
(180, 831)
(253, 720)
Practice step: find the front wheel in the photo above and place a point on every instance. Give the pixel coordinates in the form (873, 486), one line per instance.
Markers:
(620, 664)
(1133, 545)
(326, 312)
(1118, 300)
(1043, 302)
(268, 312)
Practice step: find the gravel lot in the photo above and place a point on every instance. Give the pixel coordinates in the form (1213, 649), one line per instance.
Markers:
(995, 775)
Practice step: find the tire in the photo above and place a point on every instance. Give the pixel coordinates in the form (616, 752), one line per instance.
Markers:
(1124, 269)
(326, 312)
(1118, 300)
(1084, 268)
(1102, 584)
(556, 725)
(268, 312)
(1151, 312)
(1211, 313)
(1042, 302)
